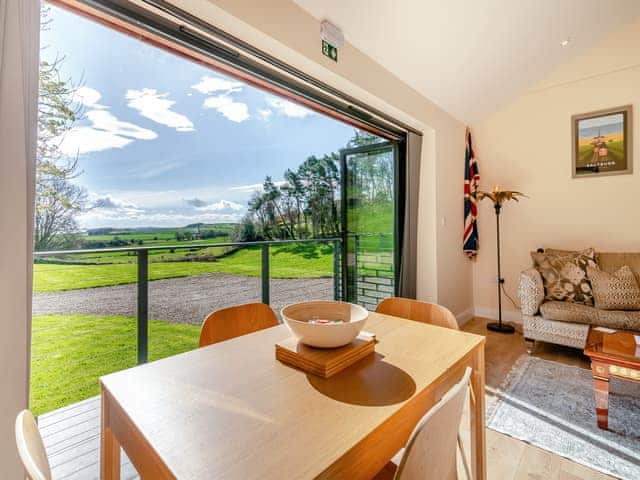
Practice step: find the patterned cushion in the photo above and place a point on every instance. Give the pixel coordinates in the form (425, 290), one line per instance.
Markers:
(564, 275)
(617, 291)
(576, 313)
(569, 312)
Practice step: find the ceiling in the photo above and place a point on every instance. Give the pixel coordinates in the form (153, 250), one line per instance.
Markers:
(472, 56)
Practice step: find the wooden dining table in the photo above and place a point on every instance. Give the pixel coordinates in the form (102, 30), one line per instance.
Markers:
(232, 411)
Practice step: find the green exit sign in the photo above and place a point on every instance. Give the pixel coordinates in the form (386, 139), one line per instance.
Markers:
(330, 51)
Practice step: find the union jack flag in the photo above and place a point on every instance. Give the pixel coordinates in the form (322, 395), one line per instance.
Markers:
(471, 180)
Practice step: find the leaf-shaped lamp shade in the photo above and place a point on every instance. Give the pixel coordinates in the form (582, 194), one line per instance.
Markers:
(498, 197)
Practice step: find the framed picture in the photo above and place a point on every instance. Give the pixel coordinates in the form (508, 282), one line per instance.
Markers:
(602, 142)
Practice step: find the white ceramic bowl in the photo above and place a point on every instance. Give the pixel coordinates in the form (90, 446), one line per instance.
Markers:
(298, 315)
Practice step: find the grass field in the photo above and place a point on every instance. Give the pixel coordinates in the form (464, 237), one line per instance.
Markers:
(287, 261)
(156, 236)
(70, 352)
(615, 152)
(303, 260)
(154, 255)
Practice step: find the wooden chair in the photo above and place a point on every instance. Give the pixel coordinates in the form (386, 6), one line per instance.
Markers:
(431, 452)
(418, 311)
(235, 321)
(31, 448)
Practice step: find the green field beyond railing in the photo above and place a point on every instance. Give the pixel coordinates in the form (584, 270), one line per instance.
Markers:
(71, 350)
(81, 331)
(182, 268)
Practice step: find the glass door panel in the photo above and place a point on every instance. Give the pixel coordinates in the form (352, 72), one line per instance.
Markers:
(369, 223)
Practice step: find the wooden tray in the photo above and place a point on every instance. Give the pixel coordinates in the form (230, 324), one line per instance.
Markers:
(325, 362)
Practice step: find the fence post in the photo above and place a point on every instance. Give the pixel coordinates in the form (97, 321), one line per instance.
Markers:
(336, 269)
(143, 305)
(265, 273)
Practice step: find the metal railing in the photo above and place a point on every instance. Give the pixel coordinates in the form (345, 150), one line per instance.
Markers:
(142, 253)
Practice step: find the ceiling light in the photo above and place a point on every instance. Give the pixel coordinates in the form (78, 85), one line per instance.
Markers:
(565, 42)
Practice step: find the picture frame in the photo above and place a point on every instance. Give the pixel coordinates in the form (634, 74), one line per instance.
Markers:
(602, 142)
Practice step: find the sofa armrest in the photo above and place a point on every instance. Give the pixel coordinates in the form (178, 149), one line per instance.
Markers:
(530, 291)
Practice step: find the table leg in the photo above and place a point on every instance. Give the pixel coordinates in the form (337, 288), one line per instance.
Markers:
(601, 383)
(478, 441)
(109, 446)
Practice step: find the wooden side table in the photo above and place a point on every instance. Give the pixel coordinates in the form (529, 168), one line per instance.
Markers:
(613, 354)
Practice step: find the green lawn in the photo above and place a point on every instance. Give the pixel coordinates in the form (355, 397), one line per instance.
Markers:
(376, 222)
(157, 236)
(154, 255)
(71, 352)
(287, 261)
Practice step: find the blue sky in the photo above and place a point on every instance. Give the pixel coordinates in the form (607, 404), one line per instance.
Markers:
(167, 142)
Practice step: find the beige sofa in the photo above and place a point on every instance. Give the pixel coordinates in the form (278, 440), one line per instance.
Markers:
(568, 323)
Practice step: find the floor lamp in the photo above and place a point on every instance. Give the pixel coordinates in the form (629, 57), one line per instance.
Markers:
(498, 197)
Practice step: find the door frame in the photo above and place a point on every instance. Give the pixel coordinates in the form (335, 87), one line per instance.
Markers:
(398, 201)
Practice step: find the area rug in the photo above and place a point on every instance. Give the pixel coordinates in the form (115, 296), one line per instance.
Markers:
(552, 406)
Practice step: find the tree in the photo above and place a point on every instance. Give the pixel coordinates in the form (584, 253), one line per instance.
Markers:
(295, 191)
(58, 198)
(245, 231)
(306, 203)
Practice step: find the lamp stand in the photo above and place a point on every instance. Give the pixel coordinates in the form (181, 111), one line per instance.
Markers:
(499, 326)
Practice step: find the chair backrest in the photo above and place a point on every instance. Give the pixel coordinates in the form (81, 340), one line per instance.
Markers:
(31, 448)
(418, 311)
(432, 447)
(235, 321)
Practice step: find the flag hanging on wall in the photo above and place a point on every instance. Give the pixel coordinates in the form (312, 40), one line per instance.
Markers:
(470, 243)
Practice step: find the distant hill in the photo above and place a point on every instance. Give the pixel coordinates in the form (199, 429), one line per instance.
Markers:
(132, 230)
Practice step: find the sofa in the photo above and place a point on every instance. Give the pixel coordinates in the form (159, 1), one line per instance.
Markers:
(567, 323)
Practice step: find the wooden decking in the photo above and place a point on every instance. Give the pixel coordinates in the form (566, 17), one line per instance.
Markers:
(72, 438)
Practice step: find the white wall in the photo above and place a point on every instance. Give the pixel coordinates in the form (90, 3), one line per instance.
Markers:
(526, 146)
(286, 31)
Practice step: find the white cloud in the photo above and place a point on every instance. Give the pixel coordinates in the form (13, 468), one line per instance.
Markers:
(222, 205)
(196, 202)
(104, 120)
(264, 114)
(256, 187)
(105, 202)
(88, 97)
(81, 140)
(216, 84)
(227, 106)
(104, 133)
(287, 108)
(111, 208)
(157, 107)
(223, 102)
(97, 218)
(166, 208)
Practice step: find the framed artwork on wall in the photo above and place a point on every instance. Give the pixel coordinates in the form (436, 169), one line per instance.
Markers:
(602, 142)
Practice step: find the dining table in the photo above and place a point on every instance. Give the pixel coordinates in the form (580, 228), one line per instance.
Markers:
(232, 411)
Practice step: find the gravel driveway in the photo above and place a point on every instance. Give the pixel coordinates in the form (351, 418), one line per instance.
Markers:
(183, 300)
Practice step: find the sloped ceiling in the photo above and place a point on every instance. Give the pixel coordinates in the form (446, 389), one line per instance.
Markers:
(472, 56)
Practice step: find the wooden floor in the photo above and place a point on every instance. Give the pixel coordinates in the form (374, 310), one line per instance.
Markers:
(72, 434)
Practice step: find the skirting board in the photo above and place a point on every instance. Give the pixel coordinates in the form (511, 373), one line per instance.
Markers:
(492, 313)
(465, 316)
